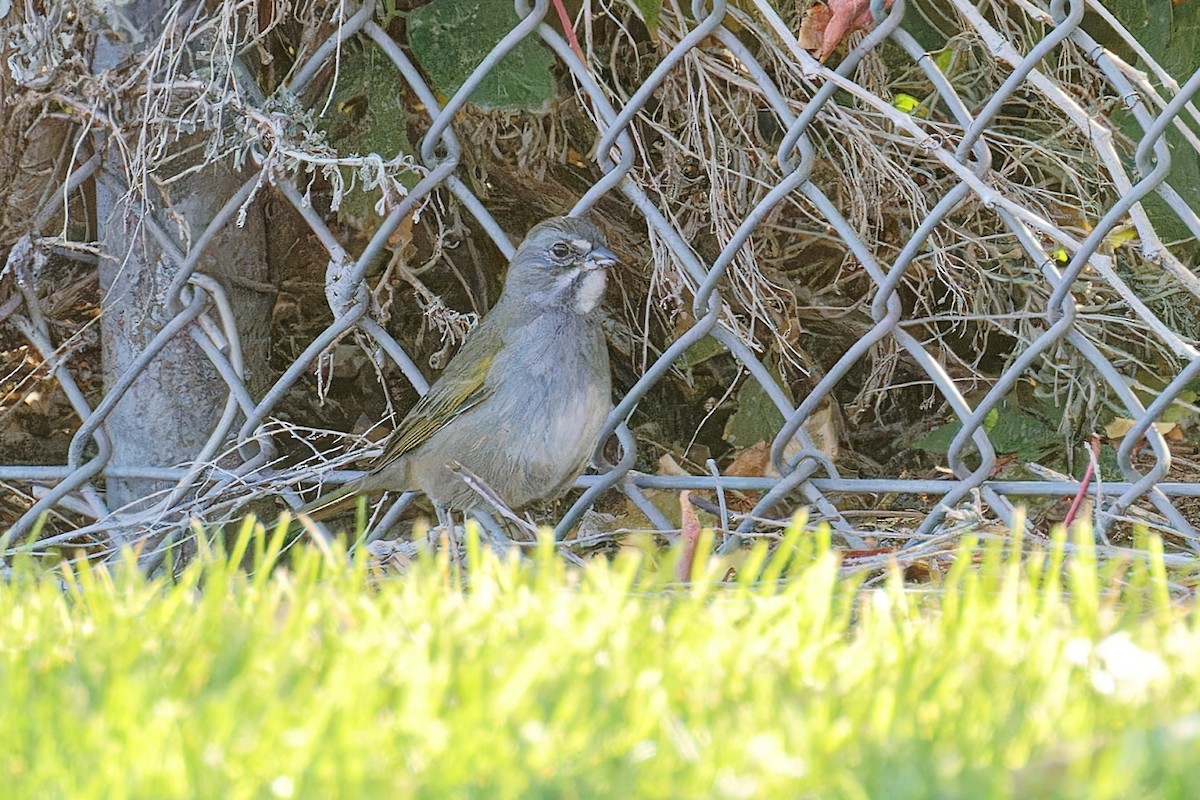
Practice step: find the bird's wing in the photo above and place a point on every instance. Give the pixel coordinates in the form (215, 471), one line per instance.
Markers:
(450, 396)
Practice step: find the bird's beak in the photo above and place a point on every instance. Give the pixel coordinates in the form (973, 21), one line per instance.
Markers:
(599, 258)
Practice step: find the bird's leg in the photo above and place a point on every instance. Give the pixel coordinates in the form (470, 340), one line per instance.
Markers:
(495, 533)
(488, 495)
(446, 523)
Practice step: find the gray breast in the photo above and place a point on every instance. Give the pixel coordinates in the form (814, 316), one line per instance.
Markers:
(538, 429)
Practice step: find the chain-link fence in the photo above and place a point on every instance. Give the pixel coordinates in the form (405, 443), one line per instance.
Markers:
(1003, 258)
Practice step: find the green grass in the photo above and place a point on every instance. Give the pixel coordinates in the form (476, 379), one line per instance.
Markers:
(1031, 676)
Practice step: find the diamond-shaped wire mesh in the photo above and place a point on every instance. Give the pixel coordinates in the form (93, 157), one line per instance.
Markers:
(729, 146)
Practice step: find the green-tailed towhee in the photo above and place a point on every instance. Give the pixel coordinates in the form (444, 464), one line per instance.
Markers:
(520, 406)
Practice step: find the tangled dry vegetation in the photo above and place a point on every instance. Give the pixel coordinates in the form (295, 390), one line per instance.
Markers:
(209, 92)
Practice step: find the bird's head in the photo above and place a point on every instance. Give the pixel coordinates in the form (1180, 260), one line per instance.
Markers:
(562, 263)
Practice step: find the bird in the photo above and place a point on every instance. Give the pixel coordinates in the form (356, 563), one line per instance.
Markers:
(520, 407)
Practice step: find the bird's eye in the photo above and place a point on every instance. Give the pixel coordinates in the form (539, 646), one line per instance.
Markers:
(560, 250)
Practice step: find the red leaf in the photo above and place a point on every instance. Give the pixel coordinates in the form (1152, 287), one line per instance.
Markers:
(824, 26)
(687, 539)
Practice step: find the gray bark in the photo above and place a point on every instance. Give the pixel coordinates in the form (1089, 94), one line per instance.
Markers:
(171, 409)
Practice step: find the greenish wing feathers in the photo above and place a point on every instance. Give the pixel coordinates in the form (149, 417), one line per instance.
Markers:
(318, 508)
(446, 400)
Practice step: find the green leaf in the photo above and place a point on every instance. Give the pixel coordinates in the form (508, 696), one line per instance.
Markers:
(449, 38)
(931, 23)
(906, 102)
(756, 419)
(1018, 432)
(944, 59)
(1010, 429)
(366, 115)
(938, 440)
(1170, 33)
(702, 351)
(649, 11)
(1148, 20)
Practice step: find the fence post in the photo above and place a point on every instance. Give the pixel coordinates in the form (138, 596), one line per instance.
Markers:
(171, 409)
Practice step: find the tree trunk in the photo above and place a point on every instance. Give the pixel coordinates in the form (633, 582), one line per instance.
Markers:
(170, 411)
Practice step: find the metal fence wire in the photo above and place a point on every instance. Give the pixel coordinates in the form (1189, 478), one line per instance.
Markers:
(971, 288)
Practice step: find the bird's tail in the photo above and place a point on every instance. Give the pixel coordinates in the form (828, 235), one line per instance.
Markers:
(330, 503)
(322, 507)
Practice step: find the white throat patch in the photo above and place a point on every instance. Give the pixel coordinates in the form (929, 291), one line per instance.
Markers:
(591, 289)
